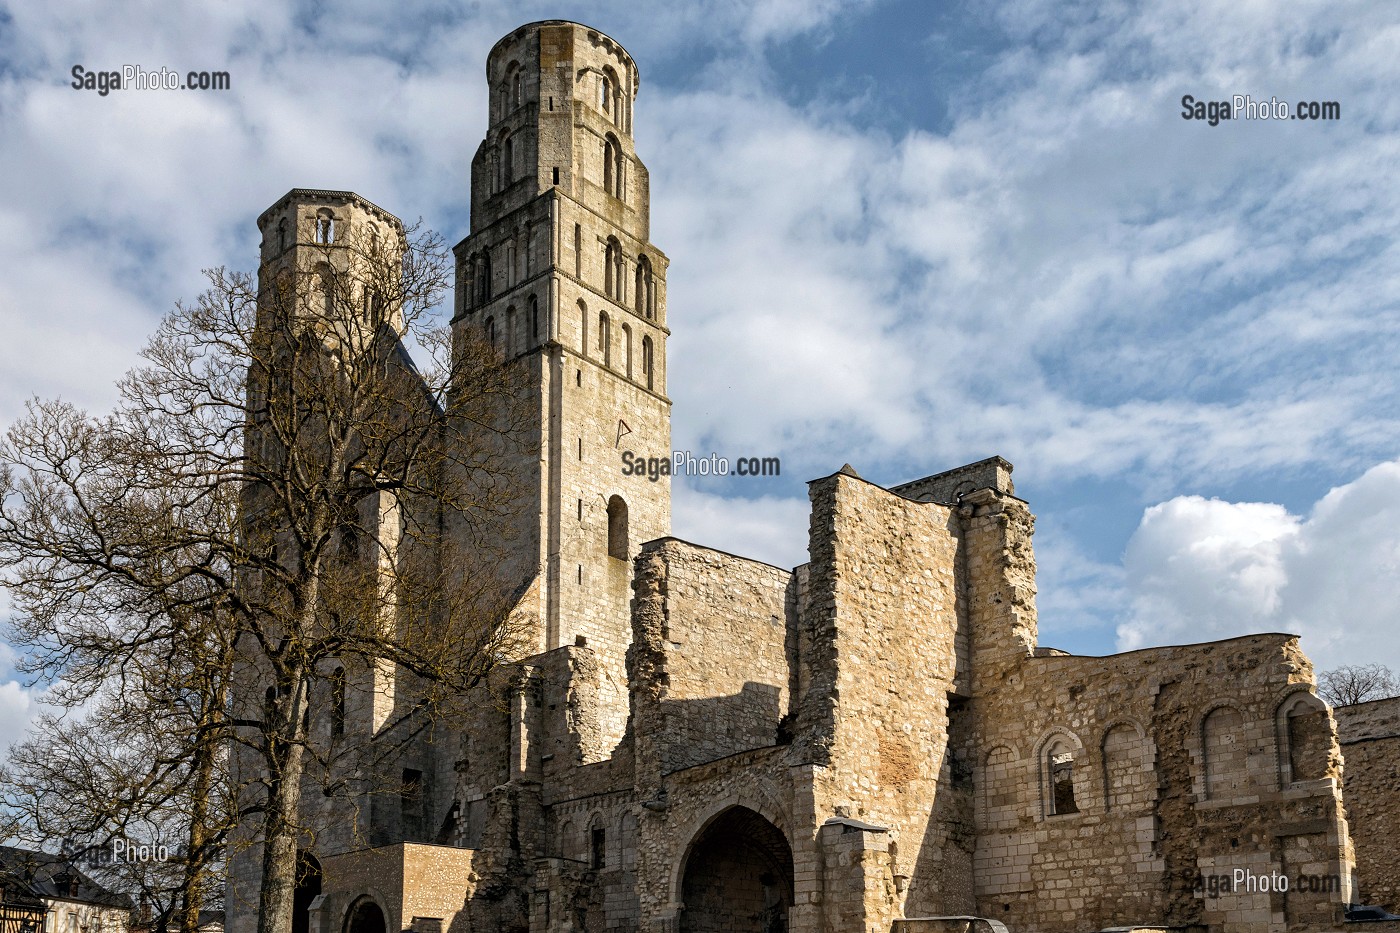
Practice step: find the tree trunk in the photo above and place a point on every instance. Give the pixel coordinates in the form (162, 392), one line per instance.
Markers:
(281, 823)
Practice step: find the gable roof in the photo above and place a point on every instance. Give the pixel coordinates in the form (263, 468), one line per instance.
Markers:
(53, 877)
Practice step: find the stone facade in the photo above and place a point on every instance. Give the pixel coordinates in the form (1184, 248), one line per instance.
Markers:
(866, 742)
(1370, 739)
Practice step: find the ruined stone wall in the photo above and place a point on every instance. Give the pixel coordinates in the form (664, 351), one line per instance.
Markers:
(998, 575)
(884, 600)
(1175, 762)
(590, 880)
(1370, 739)
(708, 628)
(725, 649)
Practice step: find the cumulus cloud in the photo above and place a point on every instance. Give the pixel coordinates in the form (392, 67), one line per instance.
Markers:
(17, 712)
(1200, 569)
(770, 529)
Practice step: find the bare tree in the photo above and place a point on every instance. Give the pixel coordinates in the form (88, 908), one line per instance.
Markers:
(280, 481)
(1357, 683)
(135, 783)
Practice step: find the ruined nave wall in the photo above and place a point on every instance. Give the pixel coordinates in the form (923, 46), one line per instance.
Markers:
(1182, 765)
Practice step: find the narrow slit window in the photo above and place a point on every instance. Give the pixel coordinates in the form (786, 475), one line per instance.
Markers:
(599, 847)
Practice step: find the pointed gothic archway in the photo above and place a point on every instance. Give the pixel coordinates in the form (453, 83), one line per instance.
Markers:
(737, 876)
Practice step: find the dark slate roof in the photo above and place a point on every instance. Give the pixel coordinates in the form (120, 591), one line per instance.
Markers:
(43, 875)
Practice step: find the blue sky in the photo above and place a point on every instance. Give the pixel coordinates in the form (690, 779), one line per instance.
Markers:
(903, 234)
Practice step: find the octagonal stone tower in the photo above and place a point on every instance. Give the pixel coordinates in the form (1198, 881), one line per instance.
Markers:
(559, 273)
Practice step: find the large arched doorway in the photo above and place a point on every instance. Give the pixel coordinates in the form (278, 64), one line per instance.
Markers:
(365, 917)
(308, 888)
(737, 876)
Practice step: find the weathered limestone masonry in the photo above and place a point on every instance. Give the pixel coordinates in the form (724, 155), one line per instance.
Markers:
(1173, 764)
(703, 743)
(1370, 739)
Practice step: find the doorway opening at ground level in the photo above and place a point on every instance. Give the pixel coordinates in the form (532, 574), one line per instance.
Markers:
(365, 917)
(737, 876)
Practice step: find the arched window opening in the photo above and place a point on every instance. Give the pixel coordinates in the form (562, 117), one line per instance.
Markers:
(534, 319)
(507, 162)
(648, 366)
(612, 166)
(605, 338)
(510, 265)
(325, 226)
(1059, 768)
(282, 235)
(617, 528)
(483, 277)
(627, 349)
(598, 848)
(644, 297)
(583, 327)
(612, 272)
(515, 89)
(610, 96)
(491, 331)
(338, 702)
(510, 330)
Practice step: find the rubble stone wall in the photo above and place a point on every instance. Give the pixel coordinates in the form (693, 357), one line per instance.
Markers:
(1370, 738)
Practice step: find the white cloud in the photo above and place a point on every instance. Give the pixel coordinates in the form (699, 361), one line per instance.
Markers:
(1201, 569)
(17, 712)
(1071, 276)
(769, 529)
